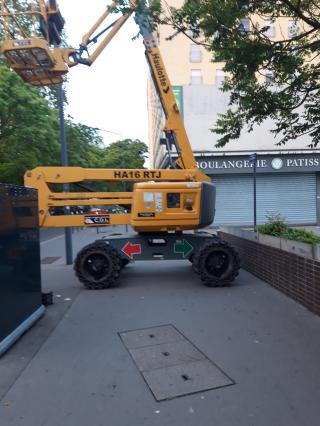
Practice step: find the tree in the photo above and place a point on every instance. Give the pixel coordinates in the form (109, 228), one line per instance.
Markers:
(29, 132)
(292, 100)
(123, 154)
(28, 128)
(85, 145)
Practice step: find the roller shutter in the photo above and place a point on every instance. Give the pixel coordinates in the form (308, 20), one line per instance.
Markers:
(291, 195)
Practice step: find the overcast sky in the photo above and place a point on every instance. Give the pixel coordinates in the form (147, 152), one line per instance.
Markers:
(112, 93)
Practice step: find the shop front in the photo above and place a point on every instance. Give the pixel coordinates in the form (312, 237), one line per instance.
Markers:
(287, 184)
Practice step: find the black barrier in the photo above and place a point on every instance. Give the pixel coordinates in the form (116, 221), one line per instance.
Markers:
(20, 274)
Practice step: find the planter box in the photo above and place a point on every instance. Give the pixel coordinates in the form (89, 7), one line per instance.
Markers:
(311, 251)
(290, 266)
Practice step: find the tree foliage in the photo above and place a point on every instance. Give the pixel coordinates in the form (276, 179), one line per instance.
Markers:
(28, 128)
(292, 100)
(124, 154)
(30, 136)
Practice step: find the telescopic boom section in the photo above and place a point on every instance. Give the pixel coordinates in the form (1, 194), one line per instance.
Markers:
(174, 127)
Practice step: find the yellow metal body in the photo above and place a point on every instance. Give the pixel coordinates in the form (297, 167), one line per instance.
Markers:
(154, 211)
(42, 177)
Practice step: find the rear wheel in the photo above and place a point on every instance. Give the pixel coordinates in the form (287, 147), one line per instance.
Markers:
(97, 266)
(216, 263)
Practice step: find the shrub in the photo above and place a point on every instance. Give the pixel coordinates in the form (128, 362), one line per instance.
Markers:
(277, 227)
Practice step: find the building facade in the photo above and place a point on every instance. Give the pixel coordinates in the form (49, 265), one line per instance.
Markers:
(288, 179)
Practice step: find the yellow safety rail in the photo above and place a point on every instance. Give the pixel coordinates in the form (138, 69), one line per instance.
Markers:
(30, 53)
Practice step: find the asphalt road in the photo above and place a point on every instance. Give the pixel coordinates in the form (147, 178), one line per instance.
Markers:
(72, 368)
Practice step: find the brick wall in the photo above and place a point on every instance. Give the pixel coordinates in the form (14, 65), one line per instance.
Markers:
(296, 276)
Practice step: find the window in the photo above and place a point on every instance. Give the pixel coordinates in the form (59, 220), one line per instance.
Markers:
(195, 53)
(219, 76)
(269, 76)
(293, 28)
(196, 77)
(244, 25)
(270, 29)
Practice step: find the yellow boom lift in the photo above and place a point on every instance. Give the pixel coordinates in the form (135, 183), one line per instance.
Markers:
(163, 204)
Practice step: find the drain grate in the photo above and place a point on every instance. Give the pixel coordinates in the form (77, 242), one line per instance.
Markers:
(170, 364)
(49, 260)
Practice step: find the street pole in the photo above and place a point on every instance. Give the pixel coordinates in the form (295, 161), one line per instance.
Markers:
(253, 159)
(124, 184)
(64, 163)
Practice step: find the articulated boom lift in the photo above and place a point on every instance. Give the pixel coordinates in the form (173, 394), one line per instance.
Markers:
(163, 203)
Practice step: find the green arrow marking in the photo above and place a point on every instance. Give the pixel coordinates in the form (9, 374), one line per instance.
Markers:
(183, 247)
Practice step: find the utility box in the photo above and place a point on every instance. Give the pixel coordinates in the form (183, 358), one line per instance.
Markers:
(20, 274)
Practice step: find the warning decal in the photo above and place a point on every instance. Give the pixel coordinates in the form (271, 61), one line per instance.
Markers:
(130, 249)
(158, 201)
(97, 220)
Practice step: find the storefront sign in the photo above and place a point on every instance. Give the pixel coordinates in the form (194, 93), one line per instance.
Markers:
(265, 164)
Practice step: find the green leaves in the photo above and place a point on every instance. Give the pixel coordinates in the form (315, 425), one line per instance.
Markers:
(124, 154)
(277, 227)
(26, 124)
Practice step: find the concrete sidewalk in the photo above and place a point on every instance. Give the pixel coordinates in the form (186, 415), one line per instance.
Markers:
(76, 371)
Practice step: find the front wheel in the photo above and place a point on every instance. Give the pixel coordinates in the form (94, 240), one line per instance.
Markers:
(97, 266)
(217, 264)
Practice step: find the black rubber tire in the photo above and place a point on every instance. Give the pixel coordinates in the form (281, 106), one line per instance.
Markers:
(216, 263)
(97, 266)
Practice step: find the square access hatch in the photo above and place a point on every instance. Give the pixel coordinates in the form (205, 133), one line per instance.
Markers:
(170, 364)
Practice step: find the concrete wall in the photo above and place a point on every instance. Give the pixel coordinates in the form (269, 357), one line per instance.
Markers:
(201, 106)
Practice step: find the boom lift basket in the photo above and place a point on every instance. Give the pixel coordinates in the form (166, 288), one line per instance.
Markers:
(35, 61)
(32, 57)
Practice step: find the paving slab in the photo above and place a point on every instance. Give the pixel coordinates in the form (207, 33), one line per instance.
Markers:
(83, 375)
(184, 379)
(150, 336)
(165, 355)
(170, 364)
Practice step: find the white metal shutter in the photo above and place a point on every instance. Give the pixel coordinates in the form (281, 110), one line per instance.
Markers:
(291, 195)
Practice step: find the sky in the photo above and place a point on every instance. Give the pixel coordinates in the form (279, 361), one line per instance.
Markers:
(111, 94)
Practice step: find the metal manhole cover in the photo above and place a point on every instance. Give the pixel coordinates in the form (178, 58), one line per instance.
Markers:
(49, 260)
(170, 364)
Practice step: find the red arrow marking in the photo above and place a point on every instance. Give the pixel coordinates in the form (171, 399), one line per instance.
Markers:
(130, 249)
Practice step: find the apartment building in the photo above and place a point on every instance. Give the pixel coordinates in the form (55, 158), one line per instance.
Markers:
(288, 179)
